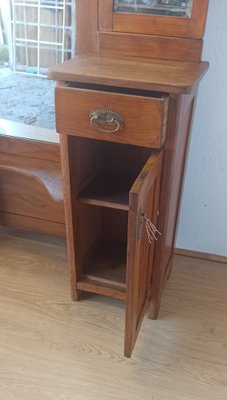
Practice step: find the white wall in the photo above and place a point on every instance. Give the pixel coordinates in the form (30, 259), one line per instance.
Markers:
(203, 219)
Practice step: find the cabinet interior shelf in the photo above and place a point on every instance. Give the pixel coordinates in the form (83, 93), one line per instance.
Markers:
(108, 189)
(105, 269)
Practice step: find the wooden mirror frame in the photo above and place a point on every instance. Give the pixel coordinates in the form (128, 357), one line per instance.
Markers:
(154, 24)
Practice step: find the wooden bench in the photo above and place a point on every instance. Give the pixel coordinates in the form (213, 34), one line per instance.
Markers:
(31, 194)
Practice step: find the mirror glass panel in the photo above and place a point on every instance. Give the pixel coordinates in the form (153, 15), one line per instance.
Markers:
(174, 8)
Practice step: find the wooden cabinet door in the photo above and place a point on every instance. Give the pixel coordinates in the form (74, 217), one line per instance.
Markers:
(143, 207)
(191, 26)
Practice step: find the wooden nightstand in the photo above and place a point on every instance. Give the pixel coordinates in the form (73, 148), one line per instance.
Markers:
(124, 115)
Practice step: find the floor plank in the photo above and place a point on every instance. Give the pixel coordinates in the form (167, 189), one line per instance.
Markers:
(55, 349)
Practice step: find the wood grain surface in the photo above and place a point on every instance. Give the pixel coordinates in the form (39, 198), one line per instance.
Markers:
(30, 180)
(163, 25)
(199, 254)
(86, 26)
(22, 131)
(139, 73)
(144, 118)
(149, 46)
(52, 348)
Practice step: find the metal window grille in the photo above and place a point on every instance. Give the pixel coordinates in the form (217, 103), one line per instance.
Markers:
(43, 34)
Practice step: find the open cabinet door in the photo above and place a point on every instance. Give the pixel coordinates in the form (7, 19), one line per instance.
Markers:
(143, 209)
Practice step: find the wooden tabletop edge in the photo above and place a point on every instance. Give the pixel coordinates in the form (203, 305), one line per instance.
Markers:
(69, 72)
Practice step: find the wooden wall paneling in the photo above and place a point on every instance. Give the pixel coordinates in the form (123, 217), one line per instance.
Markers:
(164, 26)
(178, 132)
(167, 48)
(105, 15)
(86, 26)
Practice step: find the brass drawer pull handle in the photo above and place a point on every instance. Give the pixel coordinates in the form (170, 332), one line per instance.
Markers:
(106, 121)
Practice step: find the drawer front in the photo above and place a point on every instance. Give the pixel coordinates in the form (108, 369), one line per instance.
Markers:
(136, 120)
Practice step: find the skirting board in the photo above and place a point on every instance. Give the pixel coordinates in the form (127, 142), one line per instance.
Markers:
(198, 254)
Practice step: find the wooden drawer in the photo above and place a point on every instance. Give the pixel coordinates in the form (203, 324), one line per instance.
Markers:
(143, 118)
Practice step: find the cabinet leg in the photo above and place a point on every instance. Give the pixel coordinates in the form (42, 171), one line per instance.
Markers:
(75, 294)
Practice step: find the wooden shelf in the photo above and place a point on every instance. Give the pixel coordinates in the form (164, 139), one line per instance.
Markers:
(108, 190)
(108, 290)
(104, 272)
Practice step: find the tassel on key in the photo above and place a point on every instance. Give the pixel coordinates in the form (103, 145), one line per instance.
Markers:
(151, 230)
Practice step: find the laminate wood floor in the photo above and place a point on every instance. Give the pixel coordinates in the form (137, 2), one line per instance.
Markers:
(54, 349)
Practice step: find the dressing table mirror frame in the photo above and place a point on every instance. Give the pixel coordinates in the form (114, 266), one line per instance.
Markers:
(192, 27)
